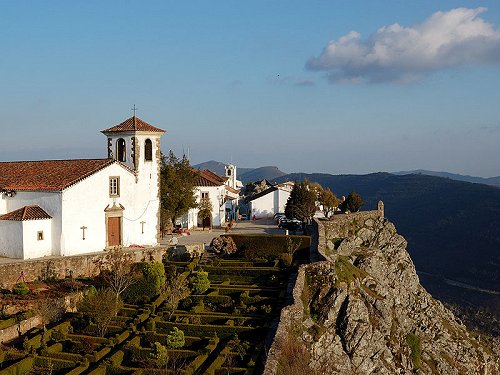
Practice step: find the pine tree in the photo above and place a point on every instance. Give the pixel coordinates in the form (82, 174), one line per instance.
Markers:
(302, 202)
(178, 180)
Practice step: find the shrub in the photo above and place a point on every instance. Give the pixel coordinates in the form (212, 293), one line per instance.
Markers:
(200, 282)
(21, 289)
(152, 279)
(271, 247)
(223, 245)
(175, 339)
(101, 308)
(159, 355)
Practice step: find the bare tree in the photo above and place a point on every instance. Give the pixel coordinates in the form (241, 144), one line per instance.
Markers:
(117, 271)
(175, 289)
(49, 310)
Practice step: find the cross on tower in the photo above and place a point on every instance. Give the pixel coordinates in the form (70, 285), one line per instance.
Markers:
(134, 109)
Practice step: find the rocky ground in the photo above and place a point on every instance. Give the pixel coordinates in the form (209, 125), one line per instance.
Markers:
(365, 312)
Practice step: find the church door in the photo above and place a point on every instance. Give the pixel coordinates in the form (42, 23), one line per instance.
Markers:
(114, 231)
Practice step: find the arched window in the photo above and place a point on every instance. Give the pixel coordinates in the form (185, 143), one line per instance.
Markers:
(121, 150)
(148, 150)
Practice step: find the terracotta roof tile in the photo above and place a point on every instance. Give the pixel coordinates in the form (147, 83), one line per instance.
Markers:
(48, 175)
(26, 213)
(209, 178)
(131, 124)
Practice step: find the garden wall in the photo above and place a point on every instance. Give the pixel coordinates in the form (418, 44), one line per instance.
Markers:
(75, 266)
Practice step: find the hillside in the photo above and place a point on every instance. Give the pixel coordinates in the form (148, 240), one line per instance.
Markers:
(493, 181)
(452, 227)
(245, 175)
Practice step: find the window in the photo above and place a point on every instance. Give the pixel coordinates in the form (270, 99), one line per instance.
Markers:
(114, 186)
(148, 150)
(39, 235)
(121, 150)
(229, 172)
(204, 195)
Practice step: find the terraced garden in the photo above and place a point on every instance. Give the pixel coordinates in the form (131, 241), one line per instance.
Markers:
(224, 328)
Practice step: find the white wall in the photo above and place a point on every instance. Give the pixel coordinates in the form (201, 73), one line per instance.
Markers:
(11, 238)
(218, 213)
(34, 248)
(50, 202)
(269, 204)
(84, 205)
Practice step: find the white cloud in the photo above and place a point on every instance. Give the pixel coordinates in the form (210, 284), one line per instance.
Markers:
(403, 54)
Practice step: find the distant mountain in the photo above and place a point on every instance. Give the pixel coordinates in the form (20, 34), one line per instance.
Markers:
(218, 167)
(452, 227)
(269, 173)
(244, 174)
(493, 181)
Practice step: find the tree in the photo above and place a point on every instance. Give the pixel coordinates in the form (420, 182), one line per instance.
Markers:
(175, 289)
(49, 310)
(177, 179)
(100, 307)
(353, 202)
(329, 201)
(205, 209)
(302, 202)
(116, 270)
(149, 284)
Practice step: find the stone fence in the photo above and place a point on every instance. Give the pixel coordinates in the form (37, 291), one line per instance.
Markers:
(74, 266)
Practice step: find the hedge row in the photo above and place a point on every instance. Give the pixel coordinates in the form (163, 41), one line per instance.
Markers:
(206, 330)
(267, 246)
(8, 322)
(22, 367)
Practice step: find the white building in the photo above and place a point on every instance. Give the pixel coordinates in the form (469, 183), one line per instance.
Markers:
(69, 207)
(222, 194)
(270, 201)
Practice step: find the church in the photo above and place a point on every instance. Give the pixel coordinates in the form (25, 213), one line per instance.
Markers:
(71, 207)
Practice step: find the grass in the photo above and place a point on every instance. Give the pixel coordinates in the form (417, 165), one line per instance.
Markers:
(415, 344)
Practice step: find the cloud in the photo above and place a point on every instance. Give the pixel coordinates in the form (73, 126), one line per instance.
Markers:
(304, 83)
(404, 54)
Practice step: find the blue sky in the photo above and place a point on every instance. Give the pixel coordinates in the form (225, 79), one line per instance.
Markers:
(312, 86)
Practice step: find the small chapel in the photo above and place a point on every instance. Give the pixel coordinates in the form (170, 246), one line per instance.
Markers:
(71, 207)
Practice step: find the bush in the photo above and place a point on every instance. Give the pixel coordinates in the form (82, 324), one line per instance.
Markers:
(223, 245)
(21, 289)
(270, 247)
(159, 355)
(200, 282)
(149, 285)
(175, 339)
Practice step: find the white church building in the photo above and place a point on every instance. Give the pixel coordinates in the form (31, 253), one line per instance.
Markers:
(70, 207)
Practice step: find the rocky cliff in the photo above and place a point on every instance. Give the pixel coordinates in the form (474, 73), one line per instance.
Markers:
(363, 311)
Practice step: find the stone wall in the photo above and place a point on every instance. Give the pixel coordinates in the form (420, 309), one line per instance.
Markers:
(341, 226)
(75, 266)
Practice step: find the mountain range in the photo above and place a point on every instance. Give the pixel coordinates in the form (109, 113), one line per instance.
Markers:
(493, 181)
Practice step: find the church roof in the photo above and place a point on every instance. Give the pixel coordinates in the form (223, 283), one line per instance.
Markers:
(26, 213)
(133, 124)
(48, 175)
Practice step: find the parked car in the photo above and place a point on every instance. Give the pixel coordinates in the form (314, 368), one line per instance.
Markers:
(290, 224)
(278, 217)
(243, 217)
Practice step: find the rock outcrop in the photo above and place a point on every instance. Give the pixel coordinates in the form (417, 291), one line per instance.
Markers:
(363, 311)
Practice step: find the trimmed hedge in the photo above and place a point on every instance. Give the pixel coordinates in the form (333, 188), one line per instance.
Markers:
(57, 364)
(206, 329)
(22, 367)
(267, 246)
(8, 322)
